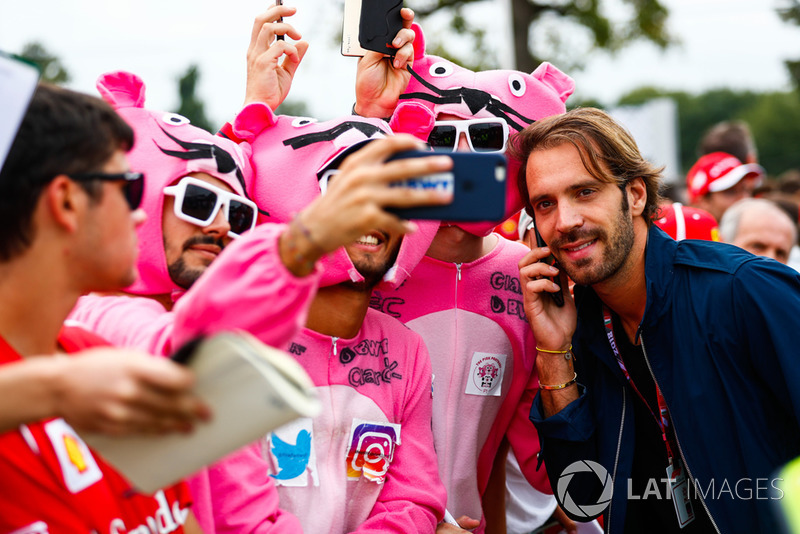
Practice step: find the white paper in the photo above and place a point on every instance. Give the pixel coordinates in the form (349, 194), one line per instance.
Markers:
(251, 389)
(17, 84)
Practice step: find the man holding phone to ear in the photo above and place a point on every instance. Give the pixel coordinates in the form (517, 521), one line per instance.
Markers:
(464, 297)
(674, 366)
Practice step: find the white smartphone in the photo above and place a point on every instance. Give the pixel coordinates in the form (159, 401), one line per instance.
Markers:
(352, 19)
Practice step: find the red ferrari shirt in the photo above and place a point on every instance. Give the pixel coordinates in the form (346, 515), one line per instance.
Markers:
(51, 482)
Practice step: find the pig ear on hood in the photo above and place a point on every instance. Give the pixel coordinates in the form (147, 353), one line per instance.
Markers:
(121, 89)
(552, 77)
(412, 118)
(419, 41)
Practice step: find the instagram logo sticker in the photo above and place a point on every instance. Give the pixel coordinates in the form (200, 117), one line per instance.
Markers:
(372, 448)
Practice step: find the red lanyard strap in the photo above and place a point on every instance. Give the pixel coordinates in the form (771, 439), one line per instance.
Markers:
(663, 422)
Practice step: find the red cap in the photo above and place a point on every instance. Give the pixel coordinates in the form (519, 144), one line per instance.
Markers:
(718, 171)
(684, 222)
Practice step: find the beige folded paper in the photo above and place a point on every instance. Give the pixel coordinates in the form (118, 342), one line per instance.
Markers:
(251, 389)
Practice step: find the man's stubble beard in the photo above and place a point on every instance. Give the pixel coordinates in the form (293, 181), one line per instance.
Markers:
(618, 247)
(183, 276)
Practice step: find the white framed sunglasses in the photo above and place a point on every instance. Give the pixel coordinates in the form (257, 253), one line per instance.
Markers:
(483, 135)
(323, 181)
(198, 202)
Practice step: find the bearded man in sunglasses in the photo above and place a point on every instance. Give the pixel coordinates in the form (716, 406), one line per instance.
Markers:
(464, 297)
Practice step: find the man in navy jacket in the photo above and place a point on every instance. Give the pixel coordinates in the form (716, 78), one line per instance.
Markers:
(666, 387)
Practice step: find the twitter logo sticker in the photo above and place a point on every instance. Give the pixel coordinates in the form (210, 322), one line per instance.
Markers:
(292, 453)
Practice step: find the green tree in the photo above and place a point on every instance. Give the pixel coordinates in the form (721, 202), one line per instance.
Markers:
(293, 107)
(50, 66)
(774, 120)
(647, 21)
(191, 106)
(790, 12)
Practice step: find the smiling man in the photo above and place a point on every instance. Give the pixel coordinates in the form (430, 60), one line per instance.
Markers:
(369, 463)
(701, 333)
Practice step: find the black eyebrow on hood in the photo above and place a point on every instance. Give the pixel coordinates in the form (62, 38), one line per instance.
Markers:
(329, 135)
(225, 162)
(475, 99)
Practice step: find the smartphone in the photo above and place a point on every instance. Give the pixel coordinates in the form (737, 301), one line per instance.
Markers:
(558, 298)
(370, 25)
(187, 351)
(477, 181)
(279, 3)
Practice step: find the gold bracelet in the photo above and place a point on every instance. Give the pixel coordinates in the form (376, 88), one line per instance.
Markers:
(553, 351)
(559, 386)
(568, 354)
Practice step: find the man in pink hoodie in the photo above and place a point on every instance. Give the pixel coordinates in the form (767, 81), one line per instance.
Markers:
(464, 297)
(367, 463)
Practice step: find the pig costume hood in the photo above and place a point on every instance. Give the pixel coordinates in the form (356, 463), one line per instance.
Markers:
(166, 148)
(290, 155)
(514, 96)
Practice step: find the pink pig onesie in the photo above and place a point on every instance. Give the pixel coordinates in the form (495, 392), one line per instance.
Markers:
(471, 314)
(247, 287)
(367, 463)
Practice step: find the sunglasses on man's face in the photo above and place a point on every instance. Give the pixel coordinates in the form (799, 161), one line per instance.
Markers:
(483, 135)
(132, 189)
(198, 202)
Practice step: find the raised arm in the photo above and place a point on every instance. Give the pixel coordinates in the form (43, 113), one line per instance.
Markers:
(272, 62)
(380, 80)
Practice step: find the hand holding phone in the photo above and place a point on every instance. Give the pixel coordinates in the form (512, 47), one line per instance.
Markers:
(477, 182)
(557, 297)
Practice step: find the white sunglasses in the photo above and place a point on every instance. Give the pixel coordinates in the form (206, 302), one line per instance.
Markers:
(198, 202)
(323, 181)
(483, 135)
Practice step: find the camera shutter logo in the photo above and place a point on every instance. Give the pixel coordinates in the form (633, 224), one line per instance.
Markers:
(589, 511)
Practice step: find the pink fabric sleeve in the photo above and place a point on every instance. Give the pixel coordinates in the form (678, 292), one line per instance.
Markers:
(524, 439)
(414, 497)
(247, 288)
(242, 495)
(137, 322)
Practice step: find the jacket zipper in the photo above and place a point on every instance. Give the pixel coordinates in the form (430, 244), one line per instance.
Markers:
(675, 432)
(616, 458)
(333, 341)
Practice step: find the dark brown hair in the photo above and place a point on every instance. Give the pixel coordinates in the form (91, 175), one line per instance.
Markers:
(63, 132)
(607, 150)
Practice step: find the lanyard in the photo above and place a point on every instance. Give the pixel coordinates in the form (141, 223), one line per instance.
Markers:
(663, 422)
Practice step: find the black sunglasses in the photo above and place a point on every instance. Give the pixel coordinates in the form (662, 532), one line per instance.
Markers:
(133, 188)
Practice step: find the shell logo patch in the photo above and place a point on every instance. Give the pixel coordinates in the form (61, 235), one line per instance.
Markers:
(486, 374)
(78, 466)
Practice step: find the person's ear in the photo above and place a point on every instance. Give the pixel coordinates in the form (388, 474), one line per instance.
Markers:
(637, 195)
(65, 199)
